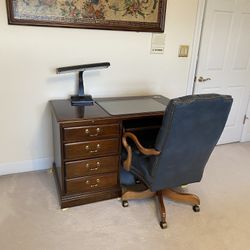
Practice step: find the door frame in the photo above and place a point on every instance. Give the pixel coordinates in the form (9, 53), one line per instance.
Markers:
(201, 8)
(196, 45)
(244, 135)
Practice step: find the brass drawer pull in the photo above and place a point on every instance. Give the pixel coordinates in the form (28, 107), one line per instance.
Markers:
(93, 185)
(98, 130)
(98, 146)
(87, 132)
(98, 164)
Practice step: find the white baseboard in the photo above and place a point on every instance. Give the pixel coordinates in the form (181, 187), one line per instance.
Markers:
(25, 166)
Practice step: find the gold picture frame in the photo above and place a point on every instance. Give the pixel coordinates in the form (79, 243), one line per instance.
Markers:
(131, 15)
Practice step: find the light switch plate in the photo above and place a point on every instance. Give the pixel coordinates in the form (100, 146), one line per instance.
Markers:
(183, 51)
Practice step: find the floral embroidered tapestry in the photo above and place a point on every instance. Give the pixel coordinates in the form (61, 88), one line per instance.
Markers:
(140, 15)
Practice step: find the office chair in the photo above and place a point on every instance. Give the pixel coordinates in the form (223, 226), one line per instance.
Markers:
(191, 127)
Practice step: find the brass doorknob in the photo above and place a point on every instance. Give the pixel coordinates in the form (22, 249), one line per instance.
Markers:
(201, 79)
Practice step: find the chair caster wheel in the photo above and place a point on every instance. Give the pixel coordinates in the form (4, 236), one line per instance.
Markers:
(163, 224)
(137, 181)
(125, 203)
(196, 208)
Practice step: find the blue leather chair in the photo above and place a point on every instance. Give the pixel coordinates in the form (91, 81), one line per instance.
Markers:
(191, 127)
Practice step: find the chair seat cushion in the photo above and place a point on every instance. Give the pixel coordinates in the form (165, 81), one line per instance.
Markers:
(126, 178)
(143, 167)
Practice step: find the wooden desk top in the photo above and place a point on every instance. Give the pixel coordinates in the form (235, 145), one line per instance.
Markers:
(65, 112)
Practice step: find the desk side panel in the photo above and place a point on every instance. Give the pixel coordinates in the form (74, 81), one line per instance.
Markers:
(57, 152)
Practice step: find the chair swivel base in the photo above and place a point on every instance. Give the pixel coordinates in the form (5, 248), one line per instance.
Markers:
(176, 196)
(128, 194)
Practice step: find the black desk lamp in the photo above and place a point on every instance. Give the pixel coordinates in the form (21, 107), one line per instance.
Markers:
(81, 99)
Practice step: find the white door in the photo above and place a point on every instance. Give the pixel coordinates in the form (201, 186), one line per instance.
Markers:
(224, 59)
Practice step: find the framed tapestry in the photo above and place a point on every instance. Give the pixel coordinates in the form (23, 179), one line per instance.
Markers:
(133, 15)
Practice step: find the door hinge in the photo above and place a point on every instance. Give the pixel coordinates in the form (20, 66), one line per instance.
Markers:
(245, 118)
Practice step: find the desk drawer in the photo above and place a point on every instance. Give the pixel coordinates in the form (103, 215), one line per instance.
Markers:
(91, 183)
(91, 166)
(90, 132)
(81, 150)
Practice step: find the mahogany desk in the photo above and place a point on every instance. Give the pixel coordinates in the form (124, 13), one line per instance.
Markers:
(87, 145)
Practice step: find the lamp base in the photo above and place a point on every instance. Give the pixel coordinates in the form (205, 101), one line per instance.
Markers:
(85, 100)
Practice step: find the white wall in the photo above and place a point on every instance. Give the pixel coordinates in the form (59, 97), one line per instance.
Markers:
(29, 56)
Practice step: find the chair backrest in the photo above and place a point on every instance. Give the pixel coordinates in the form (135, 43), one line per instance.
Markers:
(191, 127)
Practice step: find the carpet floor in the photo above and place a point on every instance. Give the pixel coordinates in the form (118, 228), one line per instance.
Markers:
(30, 217)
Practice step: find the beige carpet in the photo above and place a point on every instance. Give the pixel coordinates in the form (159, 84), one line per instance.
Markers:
(30, 216)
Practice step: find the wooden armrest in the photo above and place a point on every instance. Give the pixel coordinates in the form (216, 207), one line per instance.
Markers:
(145, 151)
